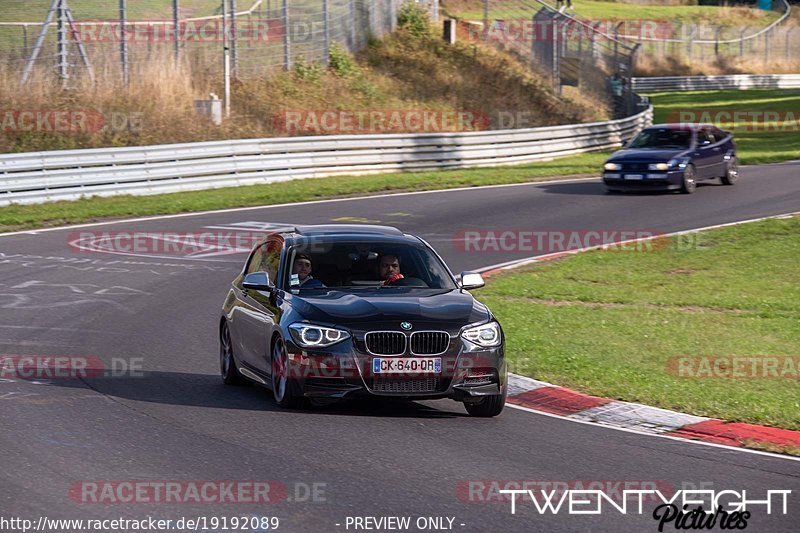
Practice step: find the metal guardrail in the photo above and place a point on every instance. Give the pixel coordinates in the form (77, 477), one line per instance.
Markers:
(699, 83)
(68, 175)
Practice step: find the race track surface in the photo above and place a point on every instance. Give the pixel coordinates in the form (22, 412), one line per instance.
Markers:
(178, 422)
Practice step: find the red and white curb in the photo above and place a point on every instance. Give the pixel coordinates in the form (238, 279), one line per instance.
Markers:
(545, 397)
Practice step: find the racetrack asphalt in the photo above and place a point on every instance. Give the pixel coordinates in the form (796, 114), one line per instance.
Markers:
(178, 422)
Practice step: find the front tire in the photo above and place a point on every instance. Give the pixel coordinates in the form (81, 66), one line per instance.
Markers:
(731, 172)
(689, 180)
(488, 407)
(284, 388)
(227, 363)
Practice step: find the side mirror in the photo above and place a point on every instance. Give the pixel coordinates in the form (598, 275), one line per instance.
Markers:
(471, 280)
(623, 144)
(258, 281)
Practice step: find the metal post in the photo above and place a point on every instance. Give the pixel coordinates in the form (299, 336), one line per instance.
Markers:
(788, 33)
(352, 35)
(81, 48)
(716, 41)
(234, 40)
(326, 13)
(226, 61)
(25, 40)
(486, 20)
(766, 47)
(63, 44)
(741, 42)
(123, 42)
(176, 27)
(435, 14)
(287, 55)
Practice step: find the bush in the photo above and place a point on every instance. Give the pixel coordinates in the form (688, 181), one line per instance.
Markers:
(413, 19)
(307, 71)
(340, 62)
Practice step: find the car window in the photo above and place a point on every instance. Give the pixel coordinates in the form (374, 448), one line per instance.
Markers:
(703, 136)
(355, 265)
(256, 259)
(266, 258)
(664, 138)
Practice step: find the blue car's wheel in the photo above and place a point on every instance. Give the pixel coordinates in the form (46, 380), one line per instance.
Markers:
(689, 180)
(284, 388)
(731, 172)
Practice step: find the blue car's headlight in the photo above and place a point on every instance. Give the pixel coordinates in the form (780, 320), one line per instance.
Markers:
(612, 166)
(486, 335)
(658, 166)
(678, 162)
(311, 336)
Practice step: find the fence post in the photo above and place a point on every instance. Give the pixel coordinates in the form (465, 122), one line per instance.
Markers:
(175, 25)
(352, 35)
(716, 41)
(63, 44)
(766, 47)
(287, 52)
(123, 41)
(234, 40)
(326, 31)
(788, 34)
(485, 20)
(741, 41)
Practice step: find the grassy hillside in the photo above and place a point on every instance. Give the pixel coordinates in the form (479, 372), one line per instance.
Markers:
(408, 71)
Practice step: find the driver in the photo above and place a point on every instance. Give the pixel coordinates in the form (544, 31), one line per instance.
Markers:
(389, 268)
(302, 267)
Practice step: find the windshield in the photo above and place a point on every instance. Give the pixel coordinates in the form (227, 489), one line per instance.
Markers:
(663, 138)
(351, 266)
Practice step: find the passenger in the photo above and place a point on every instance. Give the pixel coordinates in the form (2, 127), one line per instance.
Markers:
(389, 269)
(302, 267)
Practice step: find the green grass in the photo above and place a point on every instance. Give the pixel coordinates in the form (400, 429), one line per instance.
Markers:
(18, 217)
(611, 10)
(757, 141)
(608, 322)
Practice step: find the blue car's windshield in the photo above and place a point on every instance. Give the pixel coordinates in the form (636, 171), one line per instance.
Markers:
(355, 266)
(663, 139)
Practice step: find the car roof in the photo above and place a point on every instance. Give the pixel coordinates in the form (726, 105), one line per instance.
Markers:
(690, 126)
(345, 232)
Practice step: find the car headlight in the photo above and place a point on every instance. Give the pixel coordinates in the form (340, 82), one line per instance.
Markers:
(658, 166)
(486, 335)
(678, 162)
(311, 336)
(612, 166)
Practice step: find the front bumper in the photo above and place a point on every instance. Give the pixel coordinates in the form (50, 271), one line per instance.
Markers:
(625, 180)
(344, 371)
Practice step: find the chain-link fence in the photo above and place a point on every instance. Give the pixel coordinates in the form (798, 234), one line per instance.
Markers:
(570, 52)
(115, 40)
(775, 40)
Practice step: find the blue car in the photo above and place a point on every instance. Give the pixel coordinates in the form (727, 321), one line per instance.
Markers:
(672, 157)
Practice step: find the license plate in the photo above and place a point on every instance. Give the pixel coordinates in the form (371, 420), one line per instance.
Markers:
(406, 365)
(634, 176)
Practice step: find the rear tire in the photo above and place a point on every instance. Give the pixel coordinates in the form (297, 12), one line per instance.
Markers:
(227, 363)
(689, 180)
(490, 406)
(285, 389)
(731, 172)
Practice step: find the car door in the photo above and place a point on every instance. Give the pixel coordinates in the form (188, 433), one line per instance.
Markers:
(706, 155)
(255, 315)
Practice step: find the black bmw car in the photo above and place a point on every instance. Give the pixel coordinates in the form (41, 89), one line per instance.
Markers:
(336, 311)
(672, 157)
